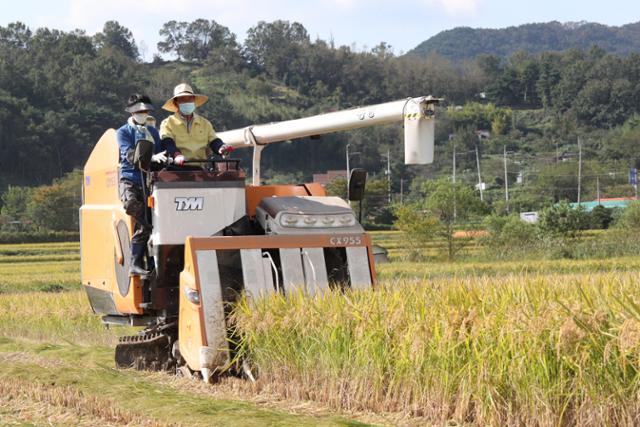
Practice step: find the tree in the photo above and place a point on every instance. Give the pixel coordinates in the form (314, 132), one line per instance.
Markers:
(561, 220)
(374, 204)
(630, 218)
(274, 47)
(548, 78)
(206, 38)
(15, 35)
(508, 234)
(173, 33)
(417, 227)
(446, 203)
(14, 202)
(116, 36)
(56, 206)
(601, 217)
(450, 203)
(199, 41)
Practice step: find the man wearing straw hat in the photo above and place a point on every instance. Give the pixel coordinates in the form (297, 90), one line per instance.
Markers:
(192, 134)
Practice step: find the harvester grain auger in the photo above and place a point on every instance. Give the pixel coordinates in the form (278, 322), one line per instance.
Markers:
(214, 237)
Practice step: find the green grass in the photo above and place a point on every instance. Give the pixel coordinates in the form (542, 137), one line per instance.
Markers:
(69, 371)
(56, 360)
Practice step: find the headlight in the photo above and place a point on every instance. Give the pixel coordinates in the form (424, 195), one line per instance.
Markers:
(317, 221)
(288, 220)
(347, 220)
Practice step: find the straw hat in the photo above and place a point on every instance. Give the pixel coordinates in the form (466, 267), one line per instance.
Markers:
(139, 102)
(183, 89)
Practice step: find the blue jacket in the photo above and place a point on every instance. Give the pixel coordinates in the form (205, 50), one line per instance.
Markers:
(127, 137)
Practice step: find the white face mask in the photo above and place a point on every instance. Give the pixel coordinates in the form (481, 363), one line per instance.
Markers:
(140, 118)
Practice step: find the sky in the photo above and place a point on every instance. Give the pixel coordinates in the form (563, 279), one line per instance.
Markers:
(358, 23)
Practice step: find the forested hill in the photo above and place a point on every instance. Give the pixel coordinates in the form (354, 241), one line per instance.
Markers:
(467, 43)
(59, 91)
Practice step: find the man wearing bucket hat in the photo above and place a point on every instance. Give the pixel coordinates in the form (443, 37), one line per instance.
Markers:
(190, 133)
(132, 137)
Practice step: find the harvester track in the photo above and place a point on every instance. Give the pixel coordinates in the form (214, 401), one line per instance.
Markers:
(147, 351)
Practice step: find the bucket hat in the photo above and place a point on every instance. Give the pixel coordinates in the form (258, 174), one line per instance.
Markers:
(138, 102)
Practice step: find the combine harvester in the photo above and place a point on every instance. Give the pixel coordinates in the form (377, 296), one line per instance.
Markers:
(215, 237)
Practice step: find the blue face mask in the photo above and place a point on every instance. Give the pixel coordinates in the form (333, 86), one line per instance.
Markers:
(187, 108)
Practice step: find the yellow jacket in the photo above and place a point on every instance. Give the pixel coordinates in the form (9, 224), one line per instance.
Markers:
(192, 143)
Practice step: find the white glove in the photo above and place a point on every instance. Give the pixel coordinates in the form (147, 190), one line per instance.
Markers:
(225, 150)
(179, 160)
(160, 157)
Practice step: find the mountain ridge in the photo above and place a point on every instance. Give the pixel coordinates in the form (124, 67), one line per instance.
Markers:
(463, 43)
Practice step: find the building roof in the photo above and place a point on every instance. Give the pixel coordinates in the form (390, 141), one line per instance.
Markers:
(610, 203)
(325, 178)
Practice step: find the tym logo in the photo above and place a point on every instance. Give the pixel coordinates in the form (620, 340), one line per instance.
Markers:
(189, 203)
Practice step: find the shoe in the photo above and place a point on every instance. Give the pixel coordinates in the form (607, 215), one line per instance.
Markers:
(136, 267)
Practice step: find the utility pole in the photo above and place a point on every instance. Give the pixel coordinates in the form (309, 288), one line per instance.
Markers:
(348, 162)
(598, 188)
(455, 210)
(579, 169)
(349, 170)
(389, 176)
(479, 177)
(348, 198)
(506, 179)
(454, 163)
(401, 191)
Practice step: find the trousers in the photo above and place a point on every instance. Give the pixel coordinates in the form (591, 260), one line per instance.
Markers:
(134, 204)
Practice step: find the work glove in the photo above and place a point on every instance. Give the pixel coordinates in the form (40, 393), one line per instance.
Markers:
(179, 160)
(225, 150)
(160, 157)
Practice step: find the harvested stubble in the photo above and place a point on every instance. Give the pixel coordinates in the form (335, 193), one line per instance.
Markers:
(534, 350)
(50, 404)
(54, 318)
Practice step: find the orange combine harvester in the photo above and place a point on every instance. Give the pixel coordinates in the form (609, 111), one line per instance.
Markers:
(216, 237)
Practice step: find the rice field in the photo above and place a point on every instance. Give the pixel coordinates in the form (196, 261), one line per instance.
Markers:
(544, 350)
(48, 267)
(532, 342)
(56, 363)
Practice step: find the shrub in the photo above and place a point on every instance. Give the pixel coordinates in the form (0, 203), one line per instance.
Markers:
(508, 235)
(562, 220)
(14, 202)
(630, 217)
(55, 206)
(600, 218)
(417, 227)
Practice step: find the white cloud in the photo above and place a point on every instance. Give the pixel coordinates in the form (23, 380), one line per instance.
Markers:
(344, 5)
(456, 7)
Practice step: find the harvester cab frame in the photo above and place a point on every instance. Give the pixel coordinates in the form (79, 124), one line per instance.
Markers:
(215, 238)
